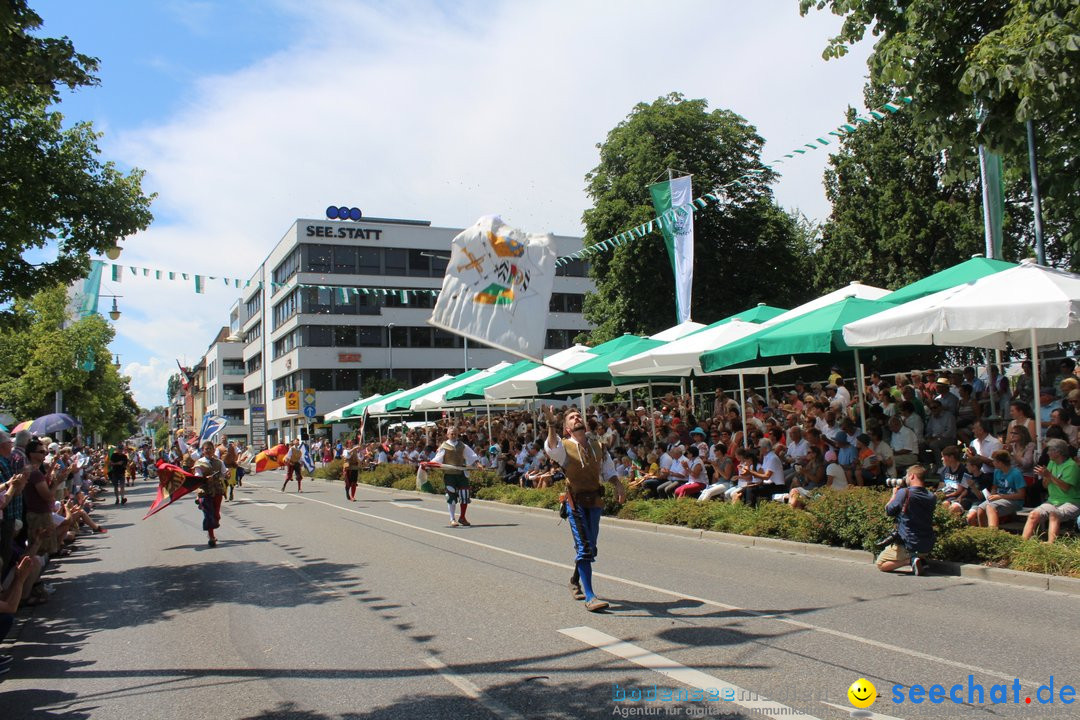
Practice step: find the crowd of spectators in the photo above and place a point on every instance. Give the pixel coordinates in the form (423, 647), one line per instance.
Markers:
(48, 494)
(974, 435)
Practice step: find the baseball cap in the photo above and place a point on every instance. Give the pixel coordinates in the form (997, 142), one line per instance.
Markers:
(841, 438)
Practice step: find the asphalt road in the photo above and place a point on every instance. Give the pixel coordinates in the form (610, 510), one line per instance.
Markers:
(312, 607)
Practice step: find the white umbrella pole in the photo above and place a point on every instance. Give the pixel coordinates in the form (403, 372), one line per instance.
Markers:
(860, 388)
(582, 403)
(427, 430)
(766, 387)
(1035, 379)
(742, 411)
(487, 407)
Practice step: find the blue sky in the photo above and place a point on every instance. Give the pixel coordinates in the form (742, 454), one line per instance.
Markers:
(248, 114)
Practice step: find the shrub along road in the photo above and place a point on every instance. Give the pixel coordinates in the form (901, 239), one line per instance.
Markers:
(312, 607)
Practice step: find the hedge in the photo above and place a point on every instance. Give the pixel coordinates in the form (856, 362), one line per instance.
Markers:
(854, 518)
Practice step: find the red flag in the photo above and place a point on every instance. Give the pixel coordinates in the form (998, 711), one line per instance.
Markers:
(271, 459)
(169, 474)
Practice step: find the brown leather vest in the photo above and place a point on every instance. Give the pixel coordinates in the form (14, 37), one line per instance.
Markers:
(453, 455)
(582, 470)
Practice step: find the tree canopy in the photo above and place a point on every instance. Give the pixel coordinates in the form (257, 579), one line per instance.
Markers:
(45, 351)
(635, 289)
(55, 192)
(978, 70)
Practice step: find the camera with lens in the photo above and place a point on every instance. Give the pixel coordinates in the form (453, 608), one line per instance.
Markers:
(896, 482)
(893, 538)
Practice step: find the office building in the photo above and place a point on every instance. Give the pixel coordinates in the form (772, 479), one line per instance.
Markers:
(297, 338)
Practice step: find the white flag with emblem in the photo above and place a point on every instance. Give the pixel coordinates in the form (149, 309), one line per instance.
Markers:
(497, 287)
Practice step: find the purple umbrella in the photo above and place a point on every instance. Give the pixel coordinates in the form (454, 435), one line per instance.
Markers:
(52, 423)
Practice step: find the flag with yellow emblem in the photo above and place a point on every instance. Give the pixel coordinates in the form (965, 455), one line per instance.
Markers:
(497, 287)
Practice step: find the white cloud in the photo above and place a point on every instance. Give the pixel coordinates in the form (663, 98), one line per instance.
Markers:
(419, 111)
(149, 380)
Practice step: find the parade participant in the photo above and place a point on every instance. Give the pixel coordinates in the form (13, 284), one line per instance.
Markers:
(212, 471)
(293, 467)
(118, 462)
(455, 452)
(229, 458)
(350, 470)
(585, 463)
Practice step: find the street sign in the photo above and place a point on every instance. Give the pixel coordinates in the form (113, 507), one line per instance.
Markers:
(292, 402)
(309, 403)
(258, 426)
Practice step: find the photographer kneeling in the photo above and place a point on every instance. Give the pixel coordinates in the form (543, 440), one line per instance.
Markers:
(913, 506)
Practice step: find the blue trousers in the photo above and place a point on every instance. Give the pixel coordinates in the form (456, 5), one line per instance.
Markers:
(585, 527)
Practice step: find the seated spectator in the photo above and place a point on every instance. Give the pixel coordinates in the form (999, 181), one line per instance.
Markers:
(1006, 496)
(678, 472)
(982, 448)
(745, 460)
(956, 484)
(768, 479)
(970, 409)
(940, 427)
(697, 478)
(869, 465)
(1061, 477)
(904, 444)
(808, 478)
(1022, 415)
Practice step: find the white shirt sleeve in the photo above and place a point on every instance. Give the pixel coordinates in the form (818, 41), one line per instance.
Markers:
(556, 452)
(607, 469)
(471, 457)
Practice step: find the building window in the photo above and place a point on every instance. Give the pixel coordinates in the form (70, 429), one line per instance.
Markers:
(255, 397)
(235, 417)
(574, 268)
(420, 337)
(286, 269)
(319, 336)
(345, 336)
(444, 339)
(420, 263)
(253, 333)
(367, 336)
(286, 308)
(320, 379)
(559, 339)
(286, 343)
(254, 305)
(344, 260)
(395, 261)
(399, 336)
(318, 258)
(566, 302)
(286, 384)
(254, 364)
(369, 261)
(318, 301)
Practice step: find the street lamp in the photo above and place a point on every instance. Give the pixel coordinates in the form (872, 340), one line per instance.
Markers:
(114, 313)
(113, 253)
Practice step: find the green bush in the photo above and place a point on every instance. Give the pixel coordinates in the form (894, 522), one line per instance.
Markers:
(331, 471)
(977, 545)
(853, 518)
(780, 520)
(514, 495)
(1060, 558)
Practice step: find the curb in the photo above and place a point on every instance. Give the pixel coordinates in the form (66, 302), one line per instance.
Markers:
(1000, 576)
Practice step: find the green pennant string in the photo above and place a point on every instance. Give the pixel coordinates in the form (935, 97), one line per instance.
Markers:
(199, 288)
(157, 274)
(134, 270)
(172, 275)
(116, 273)
(344, 294)
(145, 272)
(404, 298)
(184, 275)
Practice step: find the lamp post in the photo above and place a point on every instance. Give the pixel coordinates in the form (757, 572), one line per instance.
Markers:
(114, 313)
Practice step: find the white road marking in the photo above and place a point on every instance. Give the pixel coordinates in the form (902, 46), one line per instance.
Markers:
(779, 617)
(861, 714)
(680, 673)
(471, 690)
(260, 503)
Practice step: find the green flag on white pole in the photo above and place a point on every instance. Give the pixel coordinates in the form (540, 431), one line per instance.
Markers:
(677, 195)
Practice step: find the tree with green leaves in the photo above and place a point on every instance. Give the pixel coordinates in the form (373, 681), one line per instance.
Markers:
(746, 249)
(44, 351)
(897, 215)
(55, 192)
(978, 70)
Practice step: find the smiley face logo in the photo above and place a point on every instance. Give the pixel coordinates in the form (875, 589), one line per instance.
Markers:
(862, 693)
